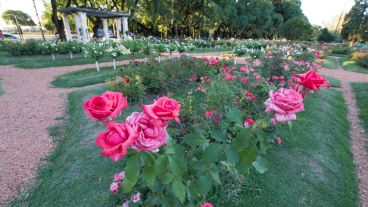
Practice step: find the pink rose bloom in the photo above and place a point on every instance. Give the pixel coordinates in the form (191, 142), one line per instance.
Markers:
(114, 187)
(209, 114)
(207, 205)
(164, 108)
(136, 197)
(244, 80)
(228, 76)
(248, 123)
(109, 104)
(201, 89)
(278, 140)
(213, 61)
(126, 204)
(151, 132)
(194, 76)
(119, 176)
(116, 140)
(250, 96)
(205, 60)
(284, 103)
(273, 121)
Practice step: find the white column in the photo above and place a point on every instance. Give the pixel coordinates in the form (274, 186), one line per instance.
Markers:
(68, 33)
(84, 33)
(78, 26)
(125, 27)
(118, 28)
(105, 29)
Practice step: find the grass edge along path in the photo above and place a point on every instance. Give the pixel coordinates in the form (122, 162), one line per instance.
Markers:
(313, 165)
(361, 95)
(351, 65)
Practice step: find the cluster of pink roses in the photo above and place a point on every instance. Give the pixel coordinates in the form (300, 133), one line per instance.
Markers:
(285, 103)
(142, 131)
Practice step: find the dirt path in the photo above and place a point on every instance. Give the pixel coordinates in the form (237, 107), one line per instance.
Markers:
(357, 135)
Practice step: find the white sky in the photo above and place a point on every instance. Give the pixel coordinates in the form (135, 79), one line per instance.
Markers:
(318, 12)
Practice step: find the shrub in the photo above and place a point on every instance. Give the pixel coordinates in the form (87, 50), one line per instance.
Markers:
(29, 47)
(130, 85)
(361, 58)
(341, 49)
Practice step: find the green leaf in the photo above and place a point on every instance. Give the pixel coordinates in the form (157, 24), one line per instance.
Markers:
(132, 170)
(179, 190)
(244, 139)
(212, 153)
(231, 154)
(234, 115)
(149, 175)
(194, 140)
(264, 146)
(167, 178)
(248, 155)
(177, 166)
(161, 165)
(260, 164)
(215, 174)
(204, 184)
(218, 134)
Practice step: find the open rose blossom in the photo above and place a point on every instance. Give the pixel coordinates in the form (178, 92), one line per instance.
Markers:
(207, 205)
(109, 104)
(311, 80)
(164, 108)
(116, 140)
(284, 103)
(151, 132)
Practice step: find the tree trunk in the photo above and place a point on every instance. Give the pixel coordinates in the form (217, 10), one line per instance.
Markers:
(57, 22)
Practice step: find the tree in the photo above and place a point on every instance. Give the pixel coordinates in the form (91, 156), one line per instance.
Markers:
(297, 29)
(18, 18)
(355, 26)
(326, 36)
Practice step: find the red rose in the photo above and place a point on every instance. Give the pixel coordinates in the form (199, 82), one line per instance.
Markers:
(109, 104)
(164, 108)
(151, 132)
(116, 140)
(311, 80)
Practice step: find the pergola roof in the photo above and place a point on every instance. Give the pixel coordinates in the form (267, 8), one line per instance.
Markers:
(102, 13)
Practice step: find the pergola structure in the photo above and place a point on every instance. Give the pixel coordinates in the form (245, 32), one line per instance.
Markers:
(80, 19)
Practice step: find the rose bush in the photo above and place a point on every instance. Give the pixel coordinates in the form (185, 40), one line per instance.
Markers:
(225, 131)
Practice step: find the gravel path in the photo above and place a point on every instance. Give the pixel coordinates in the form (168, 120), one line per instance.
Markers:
(357, 134)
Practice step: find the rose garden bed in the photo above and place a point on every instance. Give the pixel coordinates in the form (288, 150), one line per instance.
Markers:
(220, 145)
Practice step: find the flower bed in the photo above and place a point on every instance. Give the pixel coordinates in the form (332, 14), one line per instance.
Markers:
(219, 122)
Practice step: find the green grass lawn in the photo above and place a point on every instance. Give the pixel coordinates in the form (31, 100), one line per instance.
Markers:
(84, 77)
(350, 65)
(312, 167)
(361, 94)
(329, 62)
(44, 61)
(334, 82)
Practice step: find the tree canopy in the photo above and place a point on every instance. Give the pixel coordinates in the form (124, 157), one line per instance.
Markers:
(23, 19)
(355, 26)
(200, 18)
